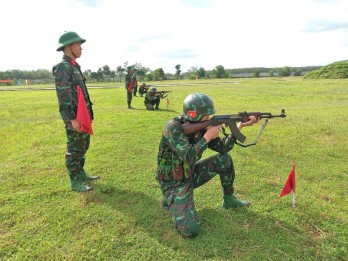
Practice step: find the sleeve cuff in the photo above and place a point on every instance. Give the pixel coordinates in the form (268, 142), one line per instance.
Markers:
(203, 143)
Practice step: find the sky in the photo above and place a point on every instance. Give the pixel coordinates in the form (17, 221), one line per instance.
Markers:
(164, 33)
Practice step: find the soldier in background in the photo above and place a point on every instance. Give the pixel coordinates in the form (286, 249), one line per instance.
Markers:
(68, 76)
(129, 86)
(135, 85)
(180, 168)
(143, 89)
(152, 99)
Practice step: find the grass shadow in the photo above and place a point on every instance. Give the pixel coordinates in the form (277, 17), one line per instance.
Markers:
(225, 233)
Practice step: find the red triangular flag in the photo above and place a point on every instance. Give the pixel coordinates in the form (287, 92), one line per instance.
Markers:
(82, 113)
(290, 183)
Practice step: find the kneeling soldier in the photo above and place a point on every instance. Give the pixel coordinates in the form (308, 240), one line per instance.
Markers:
(180, 167)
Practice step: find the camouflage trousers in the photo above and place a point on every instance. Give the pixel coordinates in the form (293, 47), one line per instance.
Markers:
(129, 97)
(178, 196)
(77, 146)
(151, 105)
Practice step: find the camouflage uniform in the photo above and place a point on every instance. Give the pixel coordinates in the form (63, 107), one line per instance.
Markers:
(152, 101)
(67, 76)
(135, 85)
(143, 89)
(129, 88)
(180, 170)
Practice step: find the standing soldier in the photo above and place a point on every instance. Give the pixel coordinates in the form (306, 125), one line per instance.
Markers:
(135, 85)
(152, 99)
(180, 167)
(69, 80)
(129, 86)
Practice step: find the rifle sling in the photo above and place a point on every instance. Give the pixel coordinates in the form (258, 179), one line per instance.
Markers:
(257, 136)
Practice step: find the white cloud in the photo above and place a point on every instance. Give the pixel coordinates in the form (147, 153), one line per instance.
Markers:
(157, 33)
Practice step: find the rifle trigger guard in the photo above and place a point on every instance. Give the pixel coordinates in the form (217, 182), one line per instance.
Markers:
(223, 131)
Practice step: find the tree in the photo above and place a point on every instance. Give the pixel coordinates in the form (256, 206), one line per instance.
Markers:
(106, 72)
(178, 71)
(201, 73)
(97, 76)
(120, 72)
(298, 72)
(193, 73)
(256, 73)
(219, 71)
(140, 70)
(158, 74)
(88, 75)
(284, 72)
(125, 65)
(149, 77)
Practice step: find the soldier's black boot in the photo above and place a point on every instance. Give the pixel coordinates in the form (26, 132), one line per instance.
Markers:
(231, 201)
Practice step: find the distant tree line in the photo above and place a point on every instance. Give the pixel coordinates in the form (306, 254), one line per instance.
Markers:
(106, 74)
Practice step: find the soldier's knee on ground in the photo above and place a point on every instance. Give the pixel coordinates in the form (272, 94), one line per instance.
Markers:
(149, 107)
(192, 229)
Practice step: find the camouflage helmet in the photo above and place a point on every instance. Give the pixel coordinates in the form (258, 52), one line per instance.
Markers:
(153, 89)
(69, 38)
(196, 106)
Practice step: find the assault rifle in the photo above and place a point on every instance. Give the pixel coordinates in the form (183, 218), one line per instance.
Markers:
(230, 120)
(161, 93)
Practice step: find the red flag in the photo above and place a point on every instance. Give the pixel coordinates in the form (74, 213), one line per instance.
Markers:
(82, 113)
(129, 87)
(290, 183)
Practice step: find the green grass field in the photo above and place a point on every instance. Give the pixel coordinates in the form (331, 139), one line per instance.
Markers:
(42, 219)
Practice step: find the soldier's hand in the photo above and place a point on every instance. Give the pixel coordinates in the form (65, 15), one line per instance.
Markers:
(212, 132)
(76, 125)
(251, 121)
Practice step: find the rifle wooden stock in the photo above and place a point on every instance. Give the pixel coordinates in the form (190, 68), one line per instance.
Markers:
(190, 128)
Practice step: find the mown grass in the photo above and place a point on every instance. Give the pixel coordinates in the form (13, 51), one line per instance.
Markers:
(42, 219)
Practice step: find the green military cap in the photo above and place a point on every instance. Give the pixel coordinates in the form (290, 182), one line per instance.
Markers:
(69, 38)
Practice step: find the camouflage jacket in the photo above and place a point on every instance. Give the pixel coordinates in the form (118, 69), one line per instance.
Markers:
(68, 75)
(129, 82)
(178, 153)
(149, 98)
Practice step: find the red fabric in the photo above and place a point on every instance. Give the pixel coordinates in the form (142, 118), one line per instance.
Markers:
(129, 87)
(82, 113)
(290, 183)
(73, 62)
